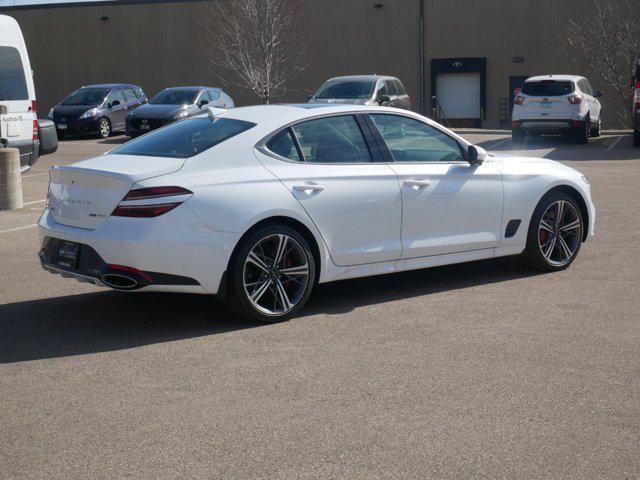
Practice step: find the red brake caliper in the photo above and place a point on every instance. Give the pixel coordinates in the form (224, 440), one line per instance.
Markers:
(287, 264)
(544, 235)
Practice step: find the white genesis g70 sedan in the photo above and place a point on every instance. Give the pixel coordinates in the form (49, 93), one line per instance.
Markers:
(258, 204)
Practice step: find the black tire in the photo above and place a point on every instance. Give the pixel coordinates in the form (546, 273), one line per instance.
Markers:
(61, 135)
(517, 136)
(597, 130)
(636, 138)
(104, 128)
(237, 300)
(583, 132)
(533, 251)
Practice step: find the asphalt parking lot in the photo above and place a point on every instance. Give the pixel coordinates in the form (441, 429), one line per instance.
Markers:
(484, 370)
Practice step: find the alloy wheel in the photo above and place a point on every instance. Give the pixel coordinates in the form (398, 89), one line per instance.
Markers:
(559, 233)
(105, 128)
(276, 274)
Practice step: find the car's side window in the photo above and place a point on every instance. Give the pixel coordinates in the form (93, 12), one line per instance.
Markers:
(130, 95)
(383, 89)
(332, 140)
(391, 87)
(410, 140)
(400, 88)
(589, 88)
(116, 95)
(282, 144)
(214, 95)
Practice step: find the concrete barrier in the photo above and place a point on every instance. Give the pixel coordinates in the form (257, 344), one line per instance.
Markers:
(10, 179)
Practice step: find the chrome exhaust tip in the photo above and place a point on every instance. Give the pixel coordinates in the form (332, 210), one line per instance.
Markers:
(118, 281)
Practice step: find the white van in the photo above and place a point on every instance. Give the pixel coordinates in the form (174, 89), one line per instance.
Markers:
(18, 119)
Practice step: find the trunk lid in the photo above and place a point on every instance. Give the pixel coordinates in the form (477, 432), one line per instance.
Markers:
(84, 194)
(547, 107)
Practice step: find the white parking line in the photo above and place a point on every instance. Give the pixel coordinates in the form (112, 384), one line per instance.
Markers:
(17, 229)
(35, 175)
(34, 202)
(498, 143)
(614, 143)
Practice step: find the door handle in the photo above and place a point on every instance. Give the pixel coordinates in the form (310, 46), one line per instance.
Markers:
(417, 184)
(309, 188)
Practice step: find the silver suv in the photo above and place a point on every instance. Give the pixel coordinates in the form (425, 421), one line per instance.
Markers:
(364, 90)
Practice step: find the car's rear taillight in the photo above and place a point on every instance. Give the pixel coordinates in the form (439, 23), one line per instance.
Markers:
(155, 192)
(33, 106)
(575, 99)
(519, 100)
(35, 130)
(157, 201)
(636, 99)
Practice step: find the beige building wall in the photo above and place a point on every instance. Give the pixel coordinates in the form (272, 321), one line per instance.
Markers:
(160, 44)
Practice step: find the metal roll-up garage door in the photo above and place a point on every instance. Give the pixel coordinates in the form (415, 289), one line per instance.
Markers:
(458, 95)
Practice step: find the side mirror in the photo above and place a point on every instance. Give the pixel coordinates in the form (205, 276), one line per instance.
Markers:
(475, 155)
(598, 94)
(203, 102)
(114, 103)
(383, 99)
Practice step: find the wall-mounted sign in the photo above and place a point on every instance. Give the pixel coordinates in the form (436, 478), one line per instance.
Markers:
(518, 59)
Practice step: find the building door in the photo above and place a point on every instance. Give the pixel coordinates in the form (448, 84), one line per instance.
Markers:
(459, 97)
(515, 85)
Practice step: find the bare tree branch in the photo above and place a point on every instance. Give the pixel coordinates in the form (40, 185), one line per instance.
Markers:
(605, 42)
(255, 45)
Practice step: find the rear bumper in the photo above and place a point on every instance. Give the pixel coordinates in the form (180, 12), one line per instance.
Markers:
(91, 268)
(28, 151)
(548, 125)
(169, 249)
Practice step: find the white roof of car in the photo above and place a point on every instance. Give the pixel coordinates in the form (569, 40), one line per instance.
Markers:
(560, 78)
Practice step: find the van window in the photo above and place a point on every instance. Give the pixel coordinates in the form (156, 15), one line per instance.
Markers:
(547, 88)
(13, 85)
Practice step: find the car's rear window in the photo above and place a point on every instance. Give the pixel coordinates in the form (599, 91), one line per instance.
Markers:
(13, 85)
(346, 89)
(548, 88)
(186, 138)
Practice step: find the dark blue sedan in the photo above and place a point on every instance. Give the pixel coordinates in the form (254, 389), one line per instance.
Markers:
(96, 109)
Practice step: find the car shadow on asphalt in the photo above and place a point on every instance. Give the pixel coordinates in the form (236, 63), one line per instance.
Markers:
(342, 297)
(108, 321)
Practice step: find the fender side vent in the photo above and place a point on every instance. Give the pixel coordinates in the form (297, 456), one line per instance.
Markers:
(512, 228)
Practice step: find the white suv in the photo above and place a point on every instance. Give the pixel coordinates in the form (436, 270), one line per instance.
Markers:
(557, 104)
